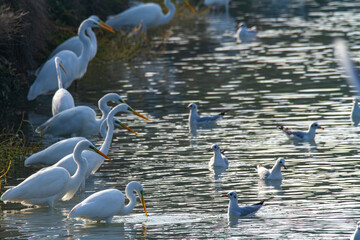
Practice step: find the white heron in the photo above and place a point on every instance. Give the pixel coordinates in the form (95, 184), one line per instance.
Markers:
(235, 211)
(301, 135)
(194, 117)
(148, 15)
(93, 160)
(52, 183)
(81, 120)
(62, 99)
(243, 34)
(218, 159)
(272, 174)
(105, 204)
(75, 66)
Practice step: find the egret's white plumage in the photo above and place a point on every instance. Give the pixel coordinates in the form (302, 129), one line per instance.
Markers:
(93, 160)
(62, 99)
(75, 66)
(235, 211)
(301, 135)
(243, 34)
(80, 120)
(218, 159)
(274, 173)
(148, 15)
(194, 117)
(52, 183)
(356, 234)
(105, 204)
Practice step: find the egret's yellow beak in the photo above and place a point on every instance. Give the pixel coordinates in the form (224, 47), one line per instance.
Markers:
(189, 6)
(138, 114)
(100, 153)
(125, 127)
(143, 202)
(106, 27)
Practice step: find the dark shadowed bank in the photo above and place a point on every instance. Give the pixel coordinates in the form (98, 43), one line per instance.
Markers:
(29, 31)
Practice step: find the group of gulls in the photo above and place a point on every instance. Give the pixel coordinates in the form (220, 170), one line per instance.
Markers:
(72, 160)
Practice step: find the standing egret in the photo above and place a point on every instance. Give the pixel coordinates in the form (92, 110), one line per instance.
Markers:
(272, 174)
(194, 117)
(75, 66)
(301, 135)
(52, 183)
(105, 204)
(80, 120)
(148, 15)
(62, 99)
(218, 159)
(93, 160)
(235, 211)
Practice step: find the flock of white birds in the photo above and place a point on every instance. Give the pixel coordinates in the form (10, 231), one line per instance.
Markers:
(72, 160)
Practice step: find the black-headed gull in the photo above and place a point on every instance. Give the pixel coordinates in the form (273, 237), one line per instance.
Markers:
(218, 159)
(300, 135)
(235, 211)
(356, 235)
(274, 173)
(194, 117)
(243, 34)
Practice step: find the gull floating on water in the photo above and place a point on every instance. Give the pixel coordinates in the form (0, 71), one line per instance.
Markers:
(274, 173)
(243, 34)
(218, 159)
(301, 135)
(356, 235)
(194, 117)
(235, 211)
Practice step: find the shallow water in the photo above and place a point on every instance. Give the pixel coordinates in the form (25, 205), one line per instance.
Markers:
(287, 76)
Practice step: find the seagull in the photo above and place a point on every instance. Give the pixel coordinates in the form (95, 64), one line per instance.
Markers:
(355, 112)
(243, 34)
(274, 173)
(218, 159)
(300, 135)
(194, 117)
(356, 235)
(235, 211)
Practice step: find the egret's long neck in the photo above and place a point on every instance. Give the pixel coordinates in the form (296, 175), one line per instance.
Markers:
(79, 175)
(109, 134)
(59, 75)
(169, 15)
(85, 53)
(93, 40)
(104, 108)
(132, 197)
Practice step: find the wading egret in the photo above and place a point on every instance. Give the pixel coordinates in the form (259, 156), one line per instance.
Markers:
(218, 159)
(62, 99)
(105, 204)
(52, 183)
(194, 117)
(235, 211)
(75, 66)
(81, 120)
(300, 135)
(272, 174)
(148, 15)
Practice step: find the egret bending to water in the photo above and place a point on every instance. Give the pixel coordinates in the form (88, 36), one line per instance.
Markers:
(81, 120)
(219, 159)
(62, 99)
(53, 183)
(105, 204)
(274, 173)
(148, 15)
(194, 117)
(235, 211)
(300, 135)
(75, 66)
(93, 160)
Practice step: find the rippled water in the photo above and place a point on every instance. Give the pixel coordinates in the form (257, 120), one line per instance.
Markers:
(287, 76)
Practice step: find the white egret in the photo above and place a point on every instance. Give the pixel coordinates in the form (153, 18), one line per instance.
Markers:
(62, 99)
(194, 117)
(93, 160)
(218, 4)
(218, 159)
(272, 174)
(105, 204)
(75, 66)
(148, 15)
(80, 120)
(52, 183)
(356, 234)
(58, 150)
(243, 34)
(300, 135)
(235, 211)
